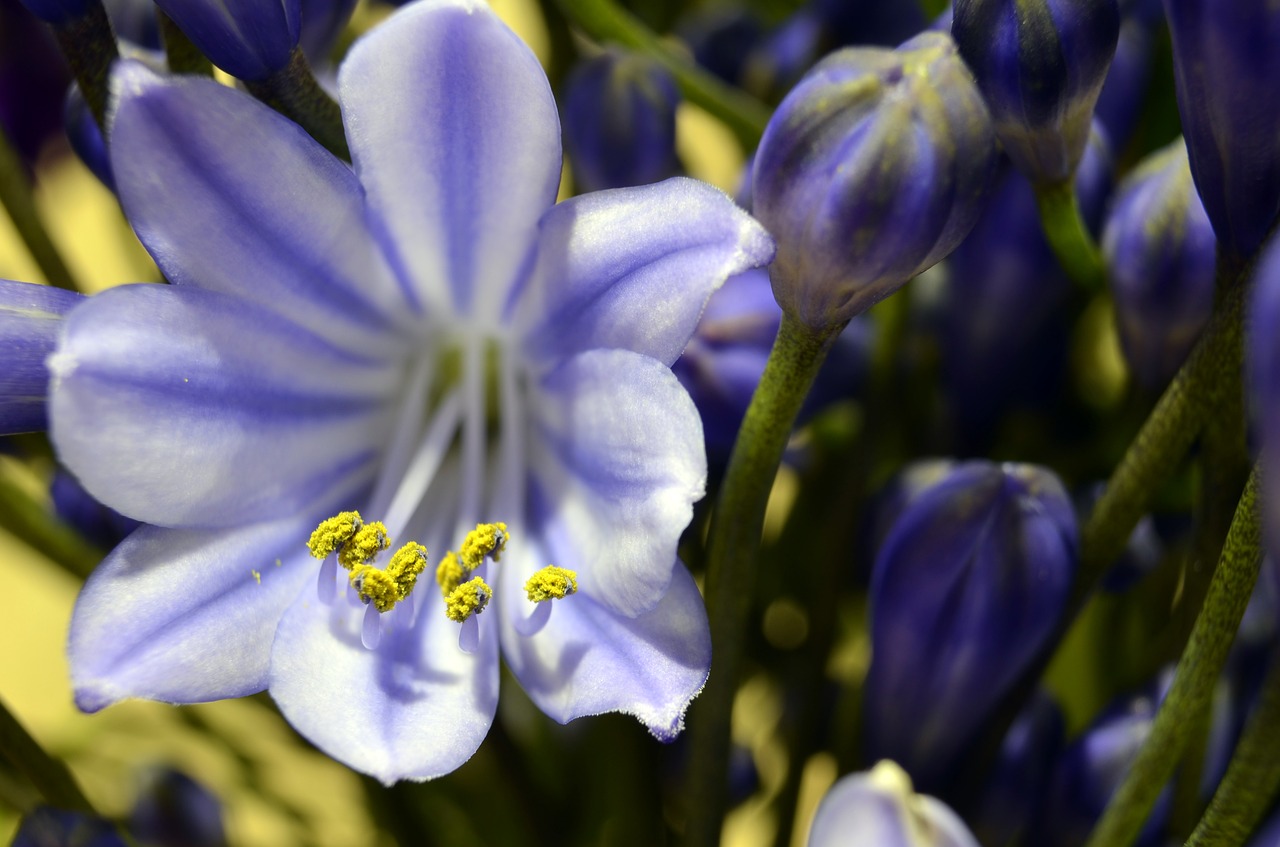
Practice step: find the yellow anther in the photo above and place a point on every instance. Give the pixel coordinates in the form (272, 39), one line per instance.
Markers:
(551, 583)
(449, 573)
(404, 567)
(486, 540)
(368, 541)
(467, 599)
(385, 588)
(333, 533)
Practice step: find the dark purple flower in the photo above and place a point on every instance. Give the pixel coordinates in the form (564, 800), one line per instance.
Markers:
(873, 169)
(1120, 104)
(249, 39)
(1040, 65)
(49, 827)
(173, 810)
(1018, 783)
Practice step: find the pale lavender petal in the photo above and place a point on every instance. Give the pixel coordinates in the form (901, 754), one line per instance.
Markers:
(30, 320)
(877, 808)
(455, 137)
(416, 707)
(184, 407)
(632, 268)
(179, 616)
(588, 659)
(617, 463)
(283, 226)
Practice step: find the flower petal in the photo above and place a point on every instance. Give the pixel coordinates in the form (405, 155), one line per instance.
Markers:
(454, 134)
(30, 320)
(633, 268)
(589, 660)
(284, 227)
(184, 407)
(416, 707)
(179, 615)
(617, 462)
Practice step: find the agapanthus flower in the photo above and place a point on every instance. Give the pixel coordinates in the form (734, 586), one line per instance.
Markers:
(879, 808)
(427, 341)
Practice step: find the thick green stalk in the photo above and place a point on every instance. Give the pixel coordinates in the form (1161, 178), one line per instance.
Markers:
(45, 773)
(606, 21)
(89, 44)
(294, 92)
(1192, 689)
(1252, 780)
(732, 546)
(183, 56)
(1067, 234)
(20, 203)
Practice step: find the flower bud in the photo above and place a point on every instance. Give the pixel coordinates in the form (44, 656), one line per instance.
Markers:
(173, 810)
(620, 122)
(873, 169)
(322, 23)
(249, 39)
(877, 808)
(1227, 70)
(45, 826)
(1040, 65)
(1262, 364)
(1120, 103)
(1160, 249)
(965, 591)
(1017, 784)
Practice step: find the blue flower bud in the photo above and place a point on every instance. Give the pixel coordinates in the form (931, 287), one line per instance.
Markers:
(33, 76)
(1120, 103)
(1142, 553)
(322, 23)
(1262, 364)
(873, 169)
(86, 138)
(1020, 778)
(249, 39)
(173, 810)
(1040, 65)
(135, 21)
(966, 589)
(1227, 70)
(1160, 249)
(99, 524)
(59, 11)
(620, 122)
(721, 40)
(48, 827)
(877, 808)
(1268, 835)
(778, 61)
(857, 22)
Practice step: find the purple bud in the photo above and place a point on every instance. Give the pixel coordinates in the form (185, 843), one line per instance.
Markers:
(135, 21)
(1160, 250)
(86, 138)
(1142, 554)
(1017, 785)
(870, 21)
(779, 60)
(877, 808)
(1040, 65)
(48, 827)
(322, 23)
(1227, 70)
(174, 810)
(620, 121)
(721, 40)
(30, 322)
(59, 11)
(1262, 364)
(873, 169)
(1120, 103)
(249, 39)
(965, 591)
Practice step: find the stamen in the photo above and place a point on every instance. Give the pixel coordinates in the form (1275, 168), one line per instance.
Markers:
(385, 588)
(449, 573)
(551, 583)
(487, 540)
(333, 532)
(327, 587)
(371, 631)
(368, 541)
(468, 599)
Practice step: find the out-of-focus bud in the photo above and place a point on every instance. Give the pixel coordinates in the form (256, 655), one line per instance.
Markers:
(85, 137)
(99, 524)
(966, 589)
(1268, 835)
(1120, 103)
(173, 810)
(30, 321)
(1094, 765)
(59, 11)
(1262, 363)
(48, 827)
(322, 23)
(1160, 249)
(135, 21)
(1040, 65)
(856, 22)
(249, 39)
(722, 364)
(890, 502)
(620, 121)
(33, 76)
(873, 169)
(878, 808)
(1018, 783)
(721, 39)
(1227, 70)
(779, 60)
(1142, 553)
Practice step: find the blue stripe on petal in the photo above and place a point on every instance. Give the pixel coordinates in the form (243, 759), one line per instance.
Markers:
(30, 320)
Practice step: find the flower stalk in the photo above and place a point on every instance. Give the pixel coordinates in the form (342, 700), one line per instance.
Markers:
(1198, 669)
(294, 92)
(89, 44)
(1065, 230)
(182, 55)
(732, 547)
(19, 202)
(46, 774)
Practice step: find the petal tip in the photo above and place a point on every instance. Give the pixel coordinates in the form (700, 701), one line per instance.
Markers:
(90, 698)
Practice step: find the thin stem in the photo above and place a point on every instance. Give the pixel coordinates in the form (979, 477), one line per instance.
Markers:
(20, 202)
(732, 546)
(606, 21)
(1252, 780)
(45, 773)
(1067, 234)
(182, 55)
(294, 92)
(89, 45)
(1192, 689)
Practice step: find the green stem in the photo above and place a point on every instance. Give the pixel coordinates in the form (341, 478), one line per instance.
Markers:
(294, 92)
(1253, 778)
(183, 56)
(732, 546)
(1192, 689)
(606, 21)
(45, 773)
(89, 45)
(20, 203)
(31, 523)
(1068, 236)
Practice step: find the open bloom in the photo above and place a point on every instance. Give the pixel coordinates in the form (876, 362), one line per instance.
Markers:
(427, 340)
